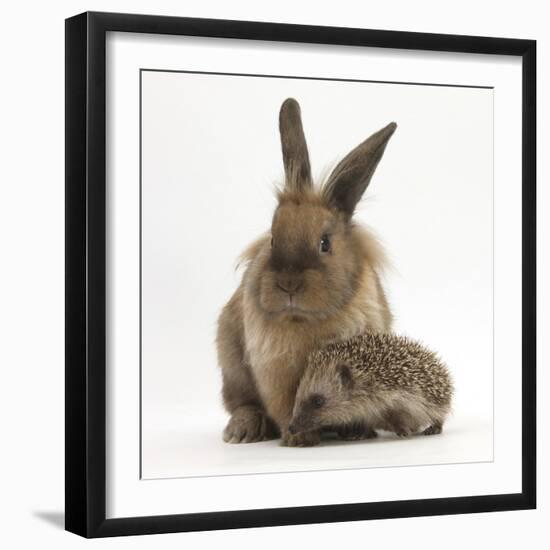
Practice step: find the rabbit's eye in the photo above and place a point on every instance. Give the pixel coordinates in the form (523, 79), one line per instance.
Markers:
(325, 244)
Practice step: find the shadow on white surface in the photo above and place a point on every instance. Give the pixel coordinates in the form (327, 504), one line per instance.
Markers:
(173, 453)
(54, 518)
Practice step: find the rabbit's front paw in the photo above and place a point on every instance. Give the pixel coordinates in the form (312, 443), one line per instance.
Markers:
(249, 425)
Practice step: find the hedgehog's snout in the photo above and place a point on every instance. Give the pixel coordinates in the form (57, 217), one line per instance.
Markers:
(300, 422)
(296, 424)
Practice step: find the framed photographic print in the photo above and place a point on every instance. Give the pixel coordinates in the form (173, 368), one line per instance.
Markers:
(300, 274)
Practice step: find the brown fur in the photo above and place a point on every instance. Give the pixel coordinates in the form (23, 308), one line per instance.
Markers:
(375, 381)
(294, 297)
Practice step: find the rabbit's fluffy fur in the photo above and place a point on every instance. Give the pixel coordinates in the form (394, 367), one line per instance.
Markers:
(313, 279)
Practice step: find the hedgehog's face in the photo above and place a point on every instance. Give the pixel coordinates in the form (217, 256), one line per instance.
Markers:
(323, 398)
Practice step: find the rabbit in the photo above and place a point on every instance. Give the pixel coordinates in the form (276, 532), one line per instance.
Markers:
(313, 279)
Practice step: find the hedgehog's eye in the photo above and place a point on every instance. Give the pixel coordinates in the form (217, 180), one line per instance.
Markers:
(317, 400)
(324, 245)
(271, 242)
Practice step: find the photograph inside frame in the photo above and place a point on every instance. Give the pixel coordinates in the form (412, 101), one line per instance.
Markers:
(316, 274)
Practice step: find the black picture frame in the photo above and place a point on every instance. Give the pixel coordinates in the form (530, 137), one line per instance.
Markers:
(85, 453)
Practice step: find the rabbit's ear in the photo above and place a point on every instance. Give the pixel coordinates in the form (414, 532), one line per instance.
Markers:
(351, 176)
(293, 143)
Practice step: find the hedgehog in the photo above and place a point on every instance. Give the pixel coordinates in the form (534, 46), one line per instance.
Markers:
(375, 381)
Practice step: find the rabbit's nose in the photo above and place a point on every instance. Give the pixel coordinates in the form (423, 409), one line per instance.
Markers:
(289, 283)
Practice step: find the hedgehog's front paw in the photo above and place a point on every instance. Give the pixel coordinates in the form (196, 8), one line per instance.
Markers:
(355, 431)
(302, 439)
(249, 425)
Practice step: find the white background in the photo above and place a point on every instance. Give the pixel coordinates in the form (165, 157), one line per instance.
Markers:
(210, 157)
(32, 286)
